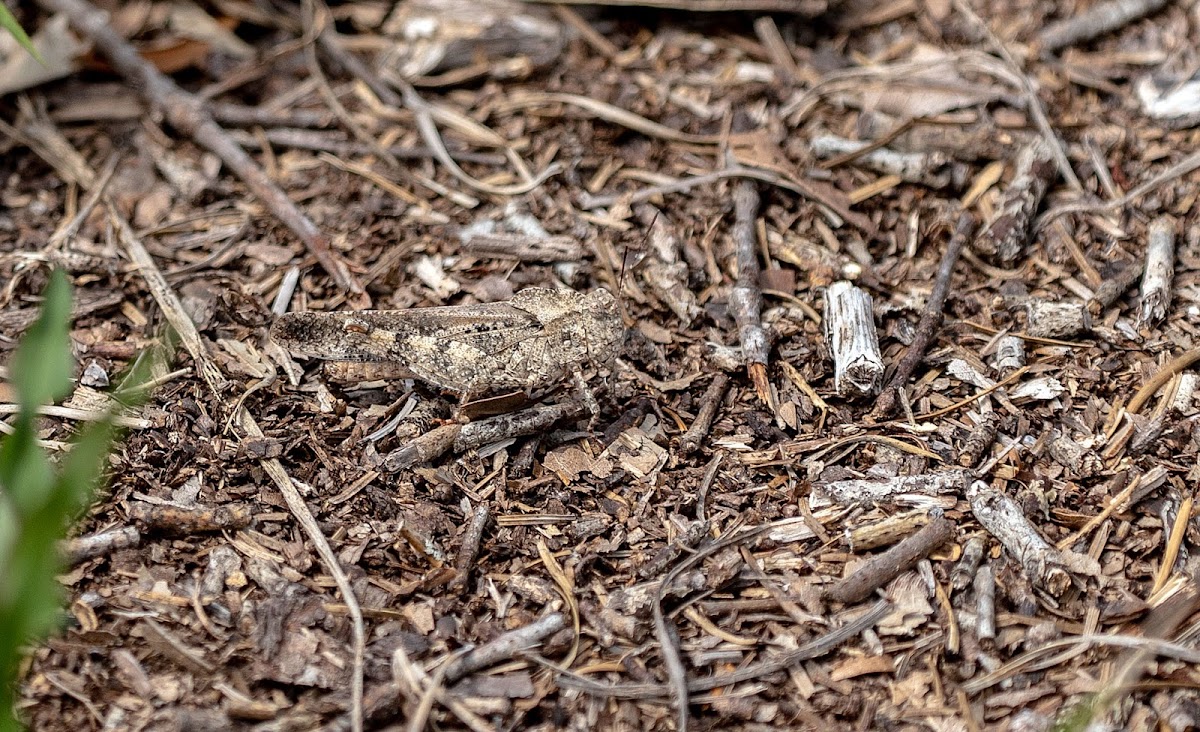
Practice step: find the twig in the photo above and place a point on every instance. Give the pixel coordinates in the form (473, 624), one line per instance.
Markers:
(985, 603)
(979, 440)
(689, 441)
(1003, 519)
(188, 115)
(881, 569)
(106, 542)
(181, 521)
(1159, 380)
(469, 549)
(429, 446)
(853, 341)
(1159, 270)
(1097, 20)
(931, 319)
(506, 646)
(968, 564)
(813, 649)
(517, 424)
(1010, 228)
(861, 492)
(745, 300)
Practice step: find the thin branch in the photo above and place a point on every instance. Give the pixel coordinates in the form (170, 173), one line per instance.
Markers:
(931, 318)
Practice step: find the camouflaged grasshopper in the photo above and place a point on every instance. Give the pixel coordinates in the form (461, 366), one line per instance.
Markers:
(528, 342)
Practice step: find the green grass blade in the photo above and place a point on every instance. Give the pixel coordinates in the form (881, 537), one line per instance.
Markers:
(9, 23)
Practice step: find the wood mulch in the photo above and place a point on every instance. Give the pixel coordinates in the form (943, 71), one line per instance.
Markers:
(964, 503)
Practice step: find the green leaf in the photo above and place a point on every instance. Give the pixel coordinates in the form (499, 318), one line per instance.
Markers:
(10, 24)
(38, 502)
(41, 368)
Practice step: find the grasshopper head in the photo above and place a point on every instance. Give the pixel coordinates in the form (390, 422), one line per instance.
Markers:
(601, 328)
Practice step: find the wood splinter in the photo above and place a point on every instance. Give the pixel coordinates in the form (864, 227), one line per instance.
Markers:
(745, 300)
(1160, 270)
(1007, 232)
(853, 340)
(881, 569)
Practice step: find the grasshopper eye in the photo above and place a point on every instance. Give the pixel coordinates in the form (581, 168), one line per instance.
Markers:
(357, 326)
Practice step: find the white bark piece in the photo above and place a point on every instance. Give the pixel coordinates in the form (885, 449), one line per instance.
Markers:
(1003, 519)
(853, 340)
(1057, 319)
(1010, 354)
(925, 490)
(1160, 270)
(1184, 403)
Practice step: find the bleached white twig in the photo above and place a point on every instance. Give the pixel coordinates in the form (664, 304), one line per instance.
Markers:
(1003, 519)
(1160, 269)
(853, 340)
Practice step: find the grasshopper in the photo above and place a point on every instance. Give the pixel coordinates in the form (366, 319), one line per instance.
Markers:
(528, 342)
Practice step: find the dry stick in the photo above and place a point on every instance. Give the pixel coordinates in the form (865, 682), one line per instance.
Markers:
(968, 564)
(505, 647)
(1159, 271)
(1099, 19)
(690, 441)
(1160, 379)
(469, 549)
(881, 569)
(849, 324)
(184, 520)
(985, 604)
(979, 440)
(1010, 228)
(428, 446)
(187, 114)
(745, 300)
(106, 542)
(931, 319)
(1004, 519)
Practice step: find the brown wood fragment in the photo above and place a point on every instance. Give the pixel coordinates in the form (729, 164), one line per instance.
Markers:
(931, 318)
(1007, 232)
(881, 569)
(745, 299)
(468, 551)
(424, 448)
(184, 520)
(886, 532)
(697, 431)
(968, 564)
(979, 441)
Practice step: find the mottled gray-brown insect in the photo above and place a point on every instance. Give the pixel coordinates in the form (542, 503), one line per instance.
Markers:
(531, 341)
